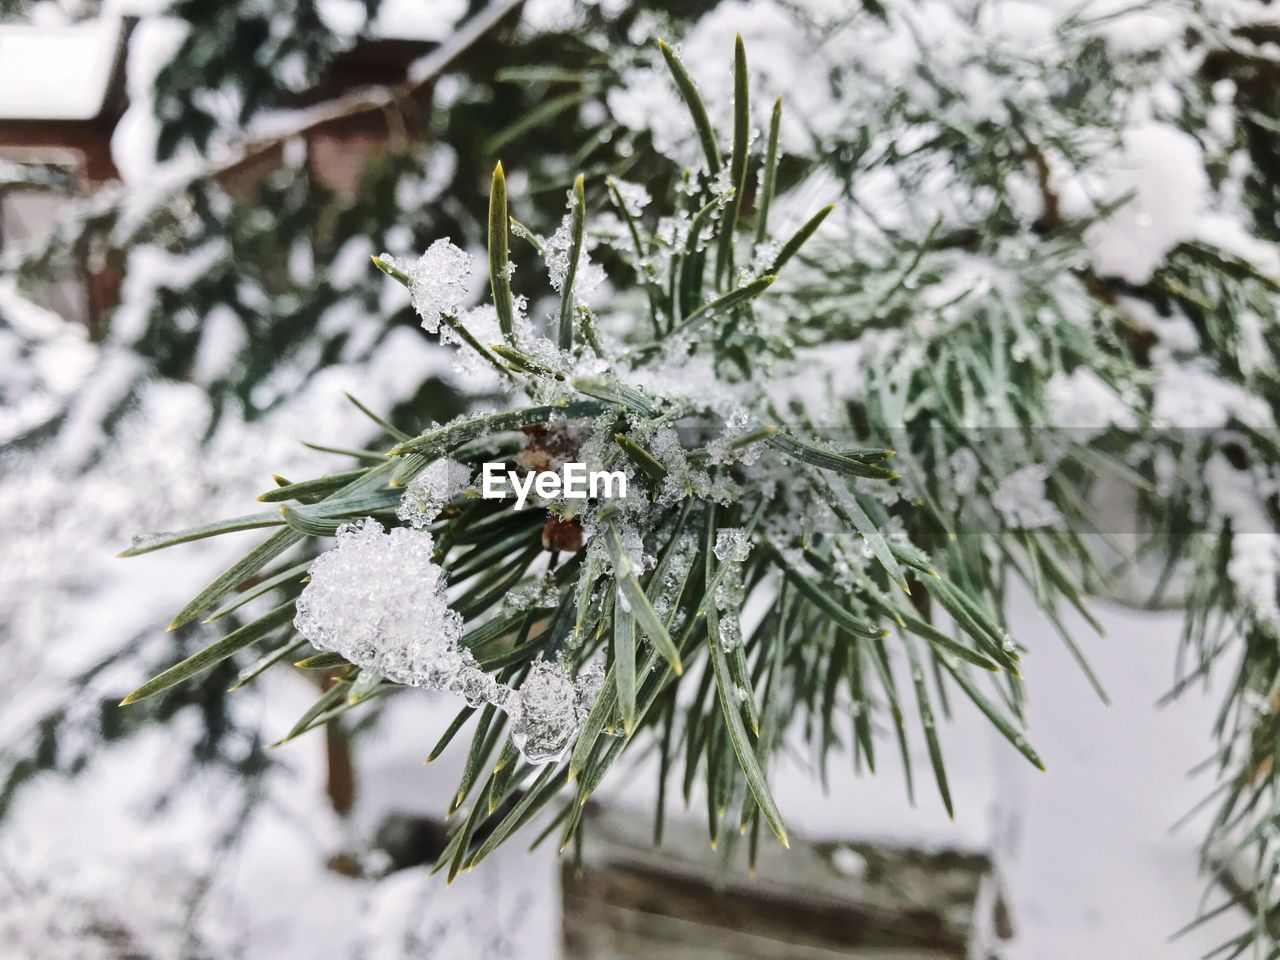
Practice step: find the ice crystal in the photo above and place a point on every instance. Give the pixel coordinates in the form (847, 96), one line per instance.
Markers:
(590, 683)
(678, 565)
(633, 547)
(728, 600)
(482, 323)
(548, 709)
(540, 595)
(674, 231)
(475, 685)
(433, 488)
(665, 445)
(724, 448)
(732, 545)
(437, 281)
(765, 255)
(378, 600)
(722, 183)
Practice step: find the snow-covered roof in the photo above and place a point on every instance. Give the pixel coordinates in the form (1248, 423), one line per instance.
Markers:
(394, 20)
(57, 72)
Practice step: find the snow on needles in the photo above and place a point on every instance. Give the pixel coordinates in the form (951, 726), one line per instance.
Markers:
(438, 281)
(378, 599)
(429, 492)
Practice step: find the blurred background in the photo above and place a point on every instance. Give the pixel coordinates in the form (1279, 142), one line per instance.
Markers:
(189, 196)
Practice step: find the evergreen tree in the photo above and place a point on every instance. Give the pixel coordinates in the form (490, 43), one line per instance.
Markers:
(1049, 277)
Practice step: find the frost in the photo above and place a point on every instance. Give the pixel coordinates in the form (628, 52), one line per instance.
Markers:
(633, 547)
(433, 488)
(728, 600)
(438, 281)
(732, 545)
(1020, 499)
(482, 323)
(540, 595)
(548, 709)
(679, 564)
(680, 376)
(590, 683)
(766, 254)
(722, 183)
(378, 600)
(723, 448)
(674, 231)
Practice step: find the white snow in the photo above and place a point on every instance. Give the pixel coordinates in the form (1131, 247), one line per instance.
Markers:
(378, 599)
(588, 276)
(1090, 863)
(152, 45)
(216, 871)
(1083, 849)
(431, 490)
(1084, 853)
(440, 281)
(1190, 396)
(1085, 404)
(57, 72)
(1021, 501)
(1163, 170)
(394, 19)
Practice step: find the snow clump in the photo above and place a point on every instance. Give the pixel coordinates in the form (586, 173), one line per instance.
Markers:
(438, 281)
(378, 600)
(433, 488)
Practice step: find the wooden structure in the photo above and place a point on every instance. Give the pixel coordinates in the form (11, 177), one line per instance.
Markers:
(813, 902)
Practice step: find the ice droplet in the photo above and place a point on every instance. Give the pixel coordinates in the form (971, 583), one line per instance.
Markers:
(548, 709)
(732, 545)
